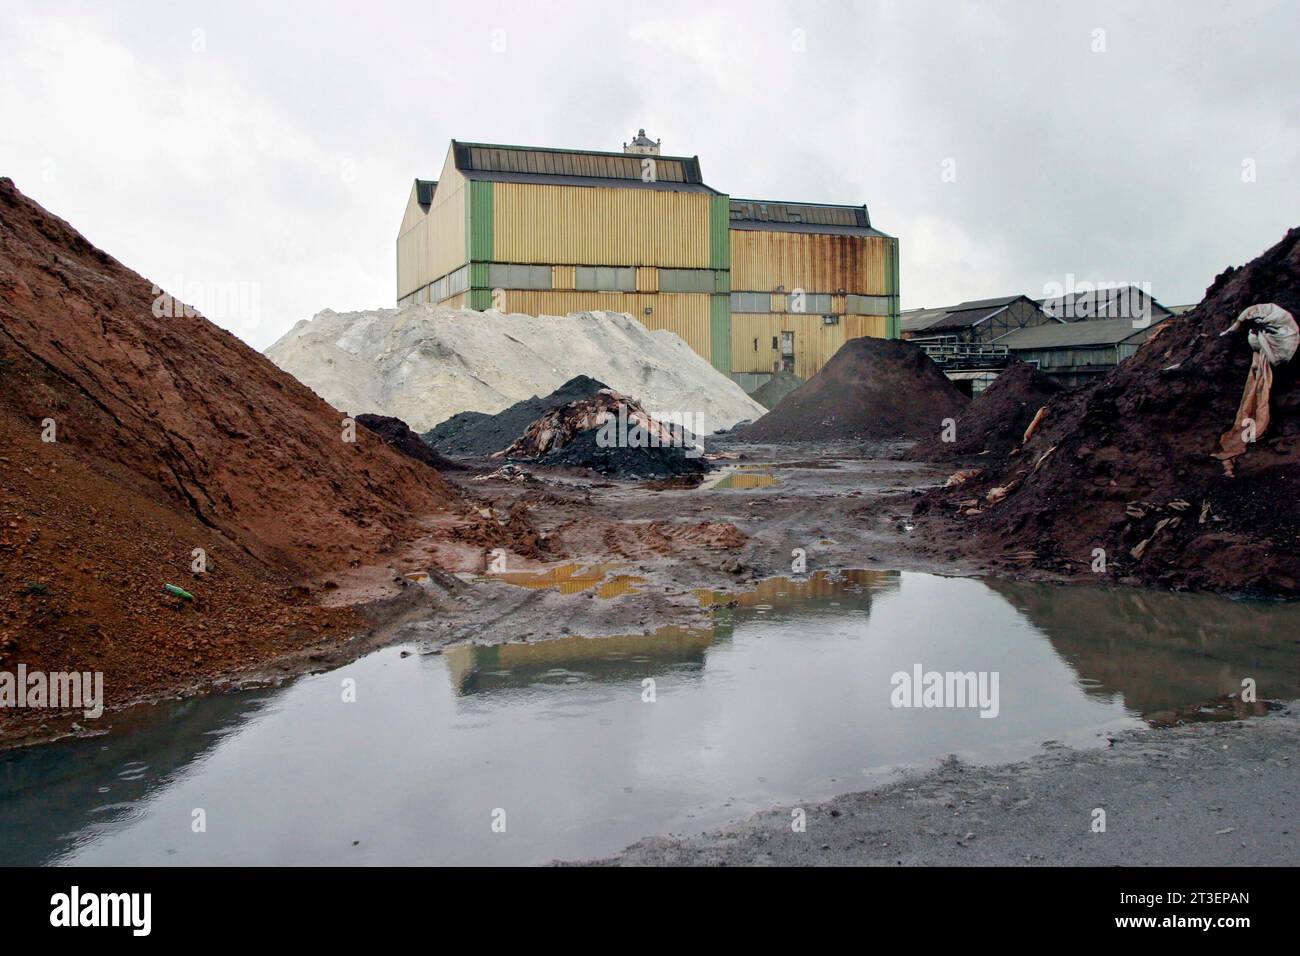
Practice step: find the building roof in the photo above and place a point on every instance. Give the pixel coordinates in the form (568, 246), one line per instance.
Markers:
(1095, 333)
(960, 316)
(641, 139)
(1100, 303)
(575, 167)
(824, 218)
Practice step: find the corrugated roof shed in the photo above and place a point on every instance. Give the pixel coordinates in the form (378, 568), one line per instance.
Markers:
(1096, 333)
(960, 316)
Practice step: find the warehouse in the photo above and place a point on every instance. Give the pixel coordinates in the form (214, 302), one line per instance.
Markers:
(554, 231)
(979, 321)
(1074, 353)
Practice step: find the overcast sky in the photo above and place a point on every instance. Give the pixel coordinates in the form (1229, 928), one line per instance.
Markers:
(268, 148)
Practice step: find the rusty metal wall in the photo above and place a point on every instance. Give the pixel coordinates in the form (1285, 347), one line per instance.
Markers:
(761, 261)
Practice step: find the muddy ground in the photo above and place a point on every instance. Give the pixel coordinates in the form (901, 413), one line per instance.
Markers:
(1184, 796)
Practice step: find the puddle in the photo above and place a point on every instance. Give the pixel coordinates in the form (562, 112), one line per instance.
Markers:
(785, 698)
(574, 579)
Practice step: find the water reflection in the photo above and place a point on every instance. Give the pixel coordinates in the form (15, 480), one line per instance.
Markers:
(783, 698)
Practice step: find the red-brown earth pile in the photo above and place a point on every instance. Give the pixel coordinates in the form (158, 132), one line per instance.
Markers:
(171, 435)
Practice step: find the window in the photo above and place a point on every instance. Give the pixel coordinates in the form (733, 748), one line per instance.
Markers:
(813, 302)
(868, 305)
(751, 302)
(685, 280)
(502, 276)
(605, 278)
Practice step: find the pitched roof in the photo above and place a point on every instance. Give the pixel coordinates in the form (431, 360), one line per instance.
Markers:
(575, 167)
(1091, 334)
(824, 218)
(960, 316)
(1110, 301)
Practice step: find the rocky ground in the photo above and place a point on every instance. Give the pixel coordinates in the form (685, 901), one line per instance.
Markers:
(1210, 794)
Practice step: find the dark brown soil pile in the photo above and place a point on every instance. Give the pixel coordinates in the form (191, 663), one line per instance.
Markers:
(398, 434)
(870, 389)
(1125, 465)
(994, 423)
(475, 434)
(775, 389)
(170, 435)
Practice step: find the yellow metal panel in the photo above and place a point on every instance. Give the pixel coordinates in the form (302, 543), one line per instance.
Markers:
(685, 314)
(814, 341)
(435, 244)
(562, 277)
(647, 279)
(763, 261)
(600, 226)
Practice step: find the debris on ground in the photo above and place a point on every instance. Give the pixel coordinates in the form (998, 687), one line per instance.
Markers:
(998, 420)
(611, 434)
(1120, 481)
(395, 433)
(870, 389)
(474, 434)
(425, 363)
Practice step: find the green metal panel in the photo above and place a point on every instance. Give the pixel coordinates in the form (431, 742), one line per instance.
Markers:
(478, 275)
(722, 282)
(720, 332)
(720, 232)
(478, 221)
(479, 299)
(895, 329)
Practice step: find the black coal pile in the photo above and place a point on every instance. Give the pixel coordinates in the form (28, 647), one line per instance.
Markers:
(395, 432)
(476, 434)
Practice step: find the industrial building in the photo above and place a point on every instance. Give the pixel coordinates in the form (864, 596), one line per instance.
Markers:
(1072, 339)
(752, 286)
(1074, 353)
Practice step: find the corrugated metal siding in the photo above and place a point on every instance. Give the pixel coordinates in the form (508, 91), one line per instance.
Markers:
(563, 277)
(647, 279)
(814, 342)
(720, 332)
(598, 226)
(480, 224)
(686, 314)
(761, 261)
(435, 245)
(720, 233)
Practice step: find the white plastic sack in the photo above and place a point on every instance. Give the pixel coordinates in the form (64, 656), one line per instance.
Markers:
(1274, 331)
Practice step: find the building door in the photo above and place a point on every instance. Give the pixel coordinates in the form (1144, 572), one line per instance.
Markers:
(787, 351)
